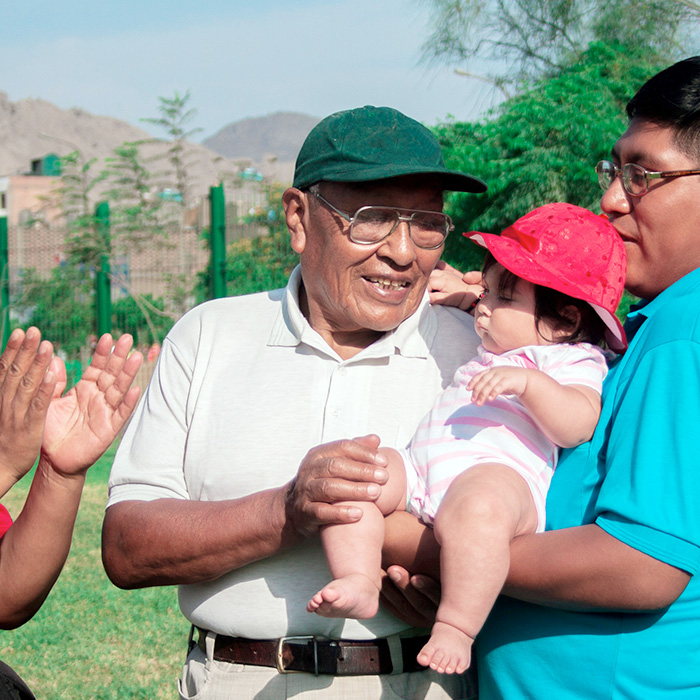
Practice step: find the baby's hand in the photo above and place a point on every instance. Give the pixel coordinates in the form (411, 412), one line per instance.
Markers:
(450, 287)
(490, 383)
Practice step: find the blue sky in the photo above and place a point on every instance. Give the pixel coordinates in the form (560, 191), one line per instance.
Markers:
(238, 59)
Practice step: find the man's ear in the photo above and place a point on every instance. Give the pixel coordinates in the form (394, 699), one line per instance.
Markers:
(295, 204)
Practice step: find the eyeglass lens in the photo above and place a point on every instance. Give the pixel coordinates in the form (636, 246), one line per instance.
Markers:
(634, 177)
(372, 224)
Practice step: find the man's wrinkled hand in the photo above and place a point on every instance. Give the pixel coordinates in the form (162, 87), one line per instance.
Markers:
(330, 476)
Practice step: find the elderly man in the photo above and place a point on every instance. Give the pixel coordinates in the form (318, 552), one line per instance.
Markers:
(607, 603)
(216, 486)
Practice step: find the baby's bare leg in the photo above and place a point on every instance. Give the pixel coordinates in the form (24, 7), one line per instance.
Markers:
(353, 552)
(483, 509)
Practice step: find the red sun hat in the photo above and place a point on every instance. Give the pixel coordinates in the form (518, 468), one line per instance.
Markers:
(571, 250)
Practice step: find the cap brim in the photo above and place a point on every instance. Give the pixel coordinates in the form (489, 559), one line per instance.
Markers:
(451, 180)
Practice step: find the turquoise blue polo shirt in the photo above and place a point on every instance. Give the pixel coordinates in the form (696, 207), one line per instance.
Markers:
(639, 480)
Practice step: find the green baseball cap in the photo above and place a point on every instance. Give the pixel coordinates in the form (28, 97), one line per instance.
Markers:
(374, 143)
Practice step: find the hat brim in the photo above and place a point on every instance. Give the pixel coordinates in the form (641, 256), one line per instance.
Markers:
(524, 264)
(451, 180)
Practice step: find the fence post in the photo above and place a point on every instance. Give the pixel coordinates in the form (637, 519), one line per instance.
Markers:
(4, 282)
(217, 241)
(103, 286)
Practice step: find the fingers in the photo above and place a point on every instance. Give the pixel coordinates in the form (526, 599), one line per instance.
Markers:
(23, 368)
(401, 597)
(41, 399)
(486, 386)
(13, 344)
(427, 587)
(370, 441)
(347, 470)
(103, 352)
(473, 277)
(58, 368)
(125, 408)
(113, 368)
(125, 377)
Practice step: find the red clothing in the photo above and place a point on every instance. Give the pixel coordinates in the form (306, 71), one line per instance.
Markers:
(5, 520)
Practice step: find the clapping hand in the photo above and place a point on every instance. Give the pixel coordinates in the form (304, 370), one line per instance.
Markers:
(27, 383)
(81, 425)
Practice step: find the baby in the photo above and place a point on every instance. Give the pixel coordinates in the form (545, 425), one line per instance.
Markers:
(480, 463)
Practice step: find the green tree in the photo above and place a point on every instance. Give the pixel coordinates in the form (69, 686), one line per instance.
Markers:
(62, 307)
(143, 317)
(175, 116)
(528, 39)
(260, 263)
(542, 145)
(134, 208)
(73, 198)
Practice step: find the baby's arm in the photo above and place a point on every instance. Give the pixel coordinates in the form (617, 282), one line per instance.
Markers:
(566, 414)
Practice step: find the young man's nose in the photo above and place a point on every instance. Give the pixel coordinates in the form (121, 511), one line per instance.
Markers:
(616, 199)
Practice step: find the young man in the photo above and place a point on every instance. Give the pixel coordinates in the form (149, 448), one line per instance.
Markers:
(606, 604)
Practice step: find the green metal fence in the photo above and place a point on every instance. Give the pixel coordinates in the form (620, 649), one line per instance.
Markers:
(141, 288)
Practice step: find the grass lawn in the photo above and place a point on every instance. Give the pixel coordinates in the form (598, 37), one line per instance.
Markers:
(90, 640)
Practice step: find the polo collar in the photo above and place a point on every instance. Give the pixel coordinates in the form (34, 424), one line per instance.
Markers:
(646, 308)
(413, 337)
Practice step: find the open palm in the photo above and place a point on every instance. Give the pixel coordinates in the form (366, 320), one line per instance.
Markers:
(81, 425)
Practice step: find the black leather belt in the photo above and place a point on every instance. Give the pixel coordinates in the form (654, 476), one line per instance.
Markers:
(311, 655)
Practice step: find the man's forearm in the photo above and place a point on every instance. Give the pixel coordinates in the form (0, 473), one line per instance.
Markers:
(170, 541)
(579, 568)
(585, 568)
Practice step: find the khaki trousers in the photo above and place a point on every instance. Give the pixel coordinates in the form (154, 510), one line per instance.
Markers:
(206, 679)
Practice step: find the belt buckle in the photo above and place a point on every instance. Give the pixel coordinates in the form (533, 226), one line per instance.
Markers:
(284, 640)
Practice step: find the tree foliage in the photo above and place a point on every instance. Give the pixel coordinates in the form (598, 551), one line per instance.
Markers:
(529, 39)
(175, 116)
(63, 306)
(72, 197)
(260, 263)
(138, 315)
(542, 145)
(134, 208)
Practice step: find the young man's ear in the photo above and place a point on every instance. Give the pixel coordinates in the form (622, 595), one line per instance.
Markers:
(295, 203)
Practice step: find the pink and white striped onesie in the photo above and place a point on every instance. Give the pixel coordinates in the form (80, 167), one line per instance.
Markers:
(458, 434)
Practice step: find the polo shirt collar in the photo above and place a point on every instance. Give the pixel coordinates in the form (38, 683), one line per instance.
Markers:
(646, 308)
(413, 338)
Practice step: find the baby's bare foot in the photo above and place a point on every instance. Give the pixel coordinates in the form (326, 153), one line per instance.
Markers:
(353, 596)
(448, 650)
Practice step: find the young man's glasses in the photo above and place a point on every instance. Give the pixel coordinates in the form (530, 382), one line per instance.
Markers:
(635, 178)
(372, 224)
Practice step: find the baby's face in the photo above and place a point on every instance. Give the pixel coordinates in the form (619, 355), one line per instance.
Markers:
(505, 319)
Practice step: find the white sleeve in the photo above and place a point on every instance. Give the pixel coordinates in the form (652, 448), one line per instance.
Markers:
(149, 461)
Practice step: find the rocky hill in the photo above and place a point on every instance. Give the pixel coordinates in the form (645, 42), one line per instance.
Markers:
(31, 128)
(280, 135)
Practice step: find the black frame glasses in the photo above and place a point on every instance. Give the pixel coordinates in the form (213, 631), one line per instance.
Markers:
(407, 216)
(635, 178)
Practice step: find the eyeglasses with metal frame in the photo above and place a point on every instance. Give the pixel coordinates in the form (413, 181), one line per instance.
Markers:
(635, 178)
(371, 224)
